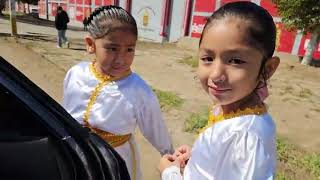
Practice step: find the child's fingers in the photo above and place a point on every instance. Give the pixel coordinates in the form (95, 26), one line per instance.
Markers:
(186, 156)
(181, 150)
(169, 157)
(177, 153)
(180, 161)
(184, 149)
(165, 162)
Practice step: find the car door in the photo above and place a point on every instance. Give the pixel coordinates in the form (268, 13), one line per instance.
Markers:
(40, 140)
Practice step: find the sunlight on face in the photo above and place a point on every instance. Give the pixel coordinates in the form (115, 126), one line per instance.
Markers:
(228, 68)
(115, 52)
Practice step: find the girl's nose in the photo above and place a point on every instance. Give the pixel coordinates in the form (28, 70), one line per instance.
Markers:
(219, 80)
(119, 58)
(217, 72)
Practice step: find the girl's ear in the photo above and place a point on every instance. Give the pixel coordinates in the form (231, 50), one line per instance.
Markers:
(271, 66)
(91, 48)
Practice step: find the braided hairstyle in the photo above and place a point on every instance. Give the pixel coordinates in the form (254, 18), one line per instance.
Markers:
(107, 19)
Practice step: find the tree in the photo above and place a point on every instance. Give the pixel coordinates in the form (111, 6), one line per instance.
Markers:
(303, 15)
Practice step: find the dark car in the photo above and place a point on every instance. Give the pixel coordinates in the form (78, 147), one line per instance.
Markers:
(40, 140)
(34, 13)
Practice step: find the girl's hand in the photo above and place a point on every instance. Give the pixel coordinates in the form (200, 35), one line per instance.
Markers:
(167, 161)
(183, 153)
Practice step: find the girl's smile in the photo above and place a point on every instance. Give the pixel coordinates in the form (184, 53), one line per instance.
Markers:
(218, 91)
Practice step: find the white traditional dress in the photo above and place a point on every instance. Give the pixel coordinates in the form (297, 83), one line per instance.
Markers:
(238, 147)
(113, 109)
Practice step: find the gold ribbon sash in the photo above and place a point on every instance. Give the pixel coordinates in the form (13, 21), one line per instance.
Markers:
(113, 139)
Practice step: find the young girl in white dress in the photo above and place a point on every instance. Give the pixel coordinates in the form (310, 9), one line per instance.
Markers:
(235, 60)
(110, 99)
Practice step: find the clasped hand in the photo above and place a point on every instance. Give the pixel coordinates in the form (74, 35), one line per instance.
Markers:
(179, 158)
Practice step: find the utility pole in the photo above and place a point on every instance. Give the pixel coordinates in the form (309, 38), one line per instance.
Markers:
(13, 20)
(47, 9)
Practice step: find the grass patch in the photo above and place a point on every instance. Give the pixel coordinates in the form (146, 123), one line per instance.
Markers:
(296, 163)
(29, 45)
(312, 163)
(168, 99)
(196, 121)
(287, 90)
(305, 93)
(281, 176)
(190, 60)
(296, 159)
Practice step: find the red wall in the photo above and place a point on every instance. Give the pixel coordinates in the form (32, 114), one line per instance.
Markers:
(286, 39)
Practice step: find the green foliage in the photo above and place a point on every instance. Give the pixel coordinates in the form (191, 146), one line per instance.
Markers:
(196, 121)
(297, 159)
(300, 14)
(190, 60)
(286, 152)
(168, 99)
(281, 176)
(312, 163)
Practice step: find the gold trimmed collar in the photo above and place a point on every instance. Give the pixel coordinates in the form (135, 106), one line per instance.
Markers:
(257, 110)
(213, 119)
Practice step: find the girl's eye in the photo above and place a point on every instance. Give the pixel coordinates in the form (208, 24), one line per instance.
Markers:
(236, 61)
(130, 49)
(207, 59)
(113, 49)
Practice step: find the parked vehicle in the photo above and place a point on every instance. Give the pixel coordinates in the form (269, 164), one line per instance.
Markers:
(40, 140)
(34, 13)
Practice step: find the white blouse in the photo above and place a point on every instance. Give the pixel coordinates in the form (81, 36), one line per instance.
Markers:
(241, 148)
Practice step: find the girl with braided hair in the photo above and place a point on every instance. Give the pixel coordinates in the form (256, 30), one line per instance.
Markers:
(236, 58)
(107, 97)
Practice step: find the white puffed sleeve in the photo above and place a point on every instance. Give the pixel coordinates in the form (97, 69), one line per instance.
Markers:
(249, 158)
(151, 123)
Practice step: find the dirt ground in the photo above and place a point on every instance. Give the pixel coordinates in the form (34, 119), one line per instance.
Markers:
(294, 100)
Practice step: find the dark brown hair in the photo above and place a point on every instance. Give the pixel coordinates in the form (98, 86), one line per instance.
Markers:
(106, 19)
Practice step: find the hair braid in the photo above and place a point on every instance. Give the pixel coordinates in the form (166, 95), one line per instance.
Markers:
(102, 20)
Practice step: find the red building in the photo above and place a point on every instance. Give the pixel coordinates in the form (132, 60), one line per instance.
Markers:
(169, 20)
(290, 42)
(157, 20)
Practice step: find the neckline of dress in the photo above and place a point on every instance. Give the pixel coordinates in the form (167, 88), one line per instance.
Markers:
(213, 119)
(104, 78)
